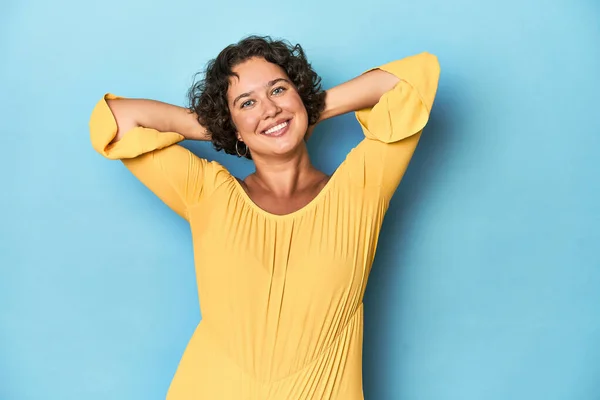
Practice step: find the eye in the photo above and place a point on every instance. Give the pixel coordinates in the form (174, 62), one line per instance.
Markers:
(278, 90)
(247, 103)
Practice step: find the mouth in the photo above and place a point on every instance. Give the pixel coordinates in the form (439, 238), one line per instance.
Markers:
(277, 130)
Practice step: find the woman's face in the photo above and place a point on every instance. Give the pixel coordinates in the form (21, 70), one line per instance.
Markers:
(266, 109)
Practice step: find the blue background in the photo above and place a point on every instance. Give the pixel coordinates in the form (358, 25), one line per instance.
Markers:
(487, 280)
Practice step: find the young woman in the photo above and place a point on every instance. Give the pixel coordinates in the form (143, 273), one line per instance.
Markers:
(283, 256)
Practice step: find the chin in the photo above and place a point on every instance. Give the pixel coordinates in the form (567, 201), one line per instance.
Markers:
(288, 149)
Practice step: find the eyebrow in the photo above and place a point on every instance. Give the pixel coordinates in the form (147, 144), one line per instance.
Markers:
(269, 84)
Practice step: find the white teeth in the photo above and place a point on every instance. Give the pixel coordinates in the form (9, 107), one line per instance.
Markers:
(276, 128)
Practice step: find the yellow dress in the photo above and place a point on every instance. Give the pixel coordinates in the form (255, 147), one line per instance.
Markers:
(281, 295)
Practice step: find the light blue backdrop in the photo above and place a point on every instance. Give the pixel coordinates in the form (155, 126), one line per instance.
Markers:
(487, 280)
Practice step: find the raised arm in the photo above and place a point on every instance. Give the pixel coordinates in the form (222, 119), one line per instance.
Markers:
(359, 93)
(392, 104)
(163, 117)
(143, 134)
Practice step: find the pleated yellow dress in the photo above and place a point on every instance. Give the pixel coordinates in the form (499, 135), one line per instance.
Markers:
(281, 295)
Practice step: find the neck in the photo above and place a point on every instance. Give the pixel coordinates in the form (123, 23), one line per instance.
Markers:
(285, 175)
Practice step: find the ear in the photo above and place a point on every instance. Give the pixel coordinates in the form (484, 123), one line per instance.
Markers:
(239, 137)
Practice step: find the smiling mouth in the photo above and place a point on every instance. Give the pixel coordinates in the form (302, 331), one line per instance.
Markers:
(277, 130)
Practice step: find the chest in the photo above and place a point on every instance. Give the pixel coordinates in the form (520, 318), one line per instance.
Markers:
(282, 206)
(252, 262)
(247, 259)
(288, 204)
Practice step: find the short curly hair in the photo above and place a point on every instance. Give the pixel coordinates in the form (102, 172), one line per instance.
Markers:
(208, 97)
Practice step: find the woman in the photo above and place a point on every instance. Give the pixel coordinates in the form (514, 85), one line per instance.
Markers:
(282, 257)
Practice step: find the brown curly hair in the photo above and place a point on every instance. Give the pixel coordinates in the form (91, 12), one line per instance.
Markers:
(208, 97)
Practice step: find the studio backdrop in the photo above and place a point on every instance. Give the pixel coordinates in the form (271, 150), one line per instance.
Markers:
(486, 284)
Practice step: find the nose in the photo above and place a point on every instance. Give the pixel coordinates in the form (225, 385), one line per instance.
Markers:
(270, 108)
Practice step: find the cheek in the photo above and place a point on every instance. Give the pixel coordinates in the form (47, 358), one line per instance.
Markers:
(246, 122)
(295, 103)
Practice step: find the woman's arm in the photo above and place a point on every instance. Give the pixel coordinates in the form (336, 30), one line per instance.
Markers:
(163, 117)
(144, 135)
(364, 91)
(361, 92)
(392, 104)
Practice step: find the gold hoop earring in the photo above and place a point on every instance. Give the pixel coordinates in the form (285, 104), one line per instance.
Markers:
(238, 151)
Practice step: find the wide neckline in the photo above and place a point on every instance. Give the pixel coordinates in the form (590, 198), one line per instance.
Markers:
(248, 200)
